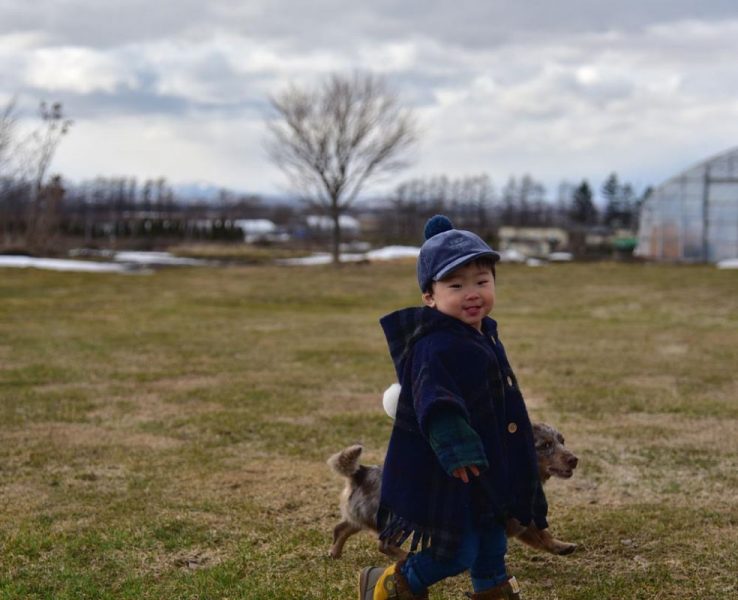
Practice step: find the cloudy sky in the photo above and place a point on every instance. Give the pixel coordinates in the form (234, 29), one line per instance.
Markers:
(563, 90)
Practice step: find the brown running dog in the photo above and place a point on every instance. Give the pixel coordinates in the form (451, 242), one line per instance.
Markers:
(360, 496)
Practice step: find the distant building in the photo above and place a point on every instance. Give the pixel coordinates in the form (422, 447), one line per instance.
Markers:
(694, 215)
(260, 230)
(532, 241)
(348, 224)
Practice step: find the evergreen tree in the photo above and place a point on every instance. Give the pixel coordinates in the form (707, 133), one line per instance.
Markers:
(611, 191)
(583, 211)
(629, 206)
(510, 195)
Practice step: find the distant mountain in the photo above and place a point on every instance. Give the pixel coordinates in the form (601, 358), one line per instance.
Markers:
(204, 191)
(195, 191)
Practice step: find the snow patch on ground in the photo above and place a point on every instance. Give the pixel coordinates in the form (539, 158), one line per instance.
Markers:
(401, 252)
(156, 258)
(319, 258)
(324, 258)
(60, 264)
(512, 255)
(123, 262)
(393, 253)
(728, 263)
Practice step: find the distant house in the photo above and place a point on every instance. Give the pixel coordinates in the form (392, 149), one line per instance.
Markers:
(532, 241)
(260, 230)
(349, 225)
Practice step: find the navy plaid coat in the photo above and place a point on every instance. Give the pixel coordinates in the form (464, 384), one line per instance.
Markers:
(441, 361)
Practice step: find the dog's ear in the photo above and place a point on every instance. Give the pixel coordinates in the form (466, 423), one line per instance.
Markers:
(353, 452)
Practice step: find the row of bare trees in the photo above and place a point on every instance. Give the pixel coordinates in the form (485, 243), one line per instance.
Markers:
(475, 202)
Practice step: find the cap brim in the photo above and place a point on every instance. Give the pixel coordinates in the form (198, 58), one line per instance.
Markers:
(461, 261)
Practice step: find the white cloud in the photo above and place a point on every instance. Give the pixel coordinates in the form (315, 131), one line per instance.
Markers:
(388, 57)
(78, 70)
(561, 92)
(13, 43)
(594, 104)
(224, 151)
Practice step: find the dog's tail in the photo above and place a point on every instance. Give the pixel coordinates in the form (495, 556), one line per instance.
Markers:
(346, 462)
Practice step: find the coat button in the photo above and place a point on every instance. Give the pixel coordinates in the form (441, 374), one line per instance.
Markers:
(509, 381)
(512, 427)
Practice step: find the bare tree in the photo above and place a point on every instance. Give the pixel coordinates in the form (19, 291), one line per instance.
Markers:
(7, 125)
(482, 198)
(43, 143)
(10, 191)
(331, 140)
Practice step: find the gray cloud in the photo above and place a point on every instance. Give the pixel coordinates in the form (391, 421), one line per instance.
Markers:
(561, 89)
(466, 23)
(102, 24)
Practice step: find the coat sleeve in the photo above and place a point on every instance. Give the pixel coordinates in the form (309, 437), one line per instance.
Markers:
(438, 371)
(454, 442)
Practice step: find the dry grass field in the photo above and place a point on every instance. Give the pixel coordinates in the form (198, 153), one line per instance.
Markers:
(165, 436)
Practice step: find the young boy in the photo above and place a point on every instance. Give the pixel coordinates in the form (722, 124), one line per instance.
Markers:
(461, 459)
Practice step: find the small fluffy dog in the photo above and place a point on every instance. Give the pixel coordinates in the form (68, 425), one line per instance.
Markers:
(360, 497)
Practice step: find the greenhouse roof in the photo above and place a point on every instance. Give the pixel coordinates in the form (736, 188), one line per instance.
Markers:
(724, 163)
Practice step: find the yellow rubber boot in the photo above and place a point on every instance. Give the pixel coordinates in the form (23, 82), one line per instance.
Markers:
(379, 583)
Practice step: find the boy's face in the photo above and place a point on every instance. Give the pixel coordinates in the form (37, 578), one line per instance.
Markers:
(467, 294)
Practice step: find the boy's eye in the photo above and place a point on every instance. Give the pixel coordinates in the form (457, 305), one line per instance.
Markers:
(455, 285)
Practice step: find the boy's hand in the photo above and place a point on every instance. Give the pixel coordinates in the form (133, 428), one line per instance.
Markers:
(460, 473)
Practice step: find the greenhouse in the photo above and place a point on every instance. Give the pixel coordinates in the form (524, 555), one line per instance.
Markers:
(694, 215)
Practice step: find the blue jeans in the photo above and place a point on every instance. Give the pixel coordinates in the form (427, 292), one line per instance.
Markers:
(481, 551)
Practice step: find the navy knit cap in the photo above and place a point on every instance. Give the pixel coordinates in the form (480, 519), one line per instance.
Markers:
(446, 249)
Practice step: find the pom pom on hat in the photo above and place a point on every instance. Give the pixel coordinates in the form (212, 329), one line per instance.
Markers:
(437, 224)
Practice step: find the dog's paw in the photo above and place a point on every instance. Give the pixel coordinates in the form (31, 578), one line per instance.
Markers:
(564, 548)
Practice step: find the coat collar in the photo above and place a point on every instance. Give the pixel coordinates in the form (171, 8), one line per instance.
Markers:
(404, 327)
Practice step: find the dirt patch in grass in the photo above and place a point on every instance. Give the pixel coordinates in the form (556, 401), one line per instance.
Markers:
(26, 497)
(668, 430)
(139, 407)
(71, 435)
(654, 458)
